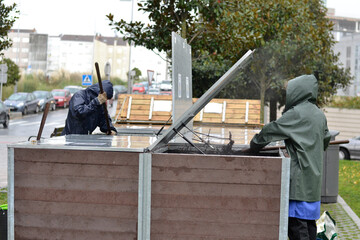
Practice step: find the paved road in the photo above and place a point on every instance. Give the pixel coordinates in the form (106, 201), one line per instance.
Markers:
(21, 128)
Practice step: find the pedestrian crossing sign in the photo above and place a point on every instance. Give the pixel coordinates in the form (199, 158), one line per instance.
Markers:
(86, 80)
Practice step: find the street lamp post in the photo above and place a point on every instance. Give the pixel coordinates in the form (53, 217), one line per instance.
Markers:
(130, 47)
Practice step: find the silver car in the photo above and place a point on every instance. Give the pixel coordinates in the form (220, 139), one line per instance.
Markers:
(350, 150)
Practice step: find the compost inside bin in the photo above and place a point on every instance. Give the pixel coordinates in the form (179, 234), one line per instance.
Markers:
(219, 149)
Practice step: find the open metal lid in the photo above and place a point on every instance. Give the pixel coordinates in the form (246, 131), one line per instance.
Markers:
(191, 112)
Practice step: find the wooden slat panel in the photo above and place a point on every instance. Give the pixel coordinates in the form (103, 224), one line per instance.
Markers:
(76, 209)
(265, 177)
(203, 189)
(48, 233)
(70, 223)
(215, 202)
(188, 161)
(187, 237)
(77, 156)
(71, 193)
(215, 215)
(235, 110)
(195, 230)
(78, 170)
(219, 197)
(83, 196)
(75, 183)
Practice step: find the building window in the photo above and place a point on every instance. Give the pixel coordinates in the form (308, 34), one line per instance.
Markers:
(24, 50)
(16, 39)
(15, 50)
(25, 40)
(110, 50)
(347, 63)
(348, 52)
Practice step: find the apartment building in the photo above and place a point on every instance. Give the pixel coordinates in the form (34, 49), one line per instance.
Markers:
(35, 52)
(19, 52)
(347, 34)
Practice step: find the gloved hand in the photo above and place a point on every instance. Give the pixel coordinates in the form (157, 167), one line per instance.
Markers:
(113, 132)
(102, 97)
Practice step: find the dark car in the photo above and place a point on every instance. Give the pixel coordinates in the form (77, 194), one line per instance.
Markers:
(45, 97)
(62, 97)
(119, 89)
(4, 115)
(350, 150)
(22, 102)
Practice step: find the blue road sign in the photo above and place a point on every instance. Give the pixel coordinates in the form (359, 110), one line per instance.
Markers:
(86, 80)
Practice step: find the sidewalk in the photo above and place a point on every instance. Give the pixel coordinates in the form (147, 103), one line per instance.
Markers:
(347, 222)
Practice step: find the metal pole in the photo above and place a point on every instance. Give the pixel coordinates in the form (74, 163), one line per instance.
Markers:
(130, 45)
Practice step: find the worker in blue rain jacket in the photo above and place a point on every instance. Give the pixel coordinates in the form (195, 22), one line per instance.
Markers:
(86, 111)
(303, 127)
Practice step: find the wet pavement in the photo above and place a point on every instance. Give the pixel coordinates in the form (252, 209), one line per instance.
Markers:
(347, 222)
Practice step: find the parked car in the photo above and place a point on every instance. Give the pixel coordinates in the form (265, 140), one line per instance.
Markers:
(154, 91)
(350, 150)
(45, 97)
(146, 86)
(4, 115)
(22, 102)
(139, 88)
(73, 89)
(62, 97)
(119, 89)
(166, 85)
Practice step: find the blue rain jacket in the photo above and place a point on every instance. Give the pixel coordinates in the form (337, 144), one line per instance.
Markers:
(86, 113)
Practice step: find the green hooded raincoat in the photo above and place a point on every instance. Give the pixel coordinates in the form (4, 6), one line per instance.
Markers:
(304, 129)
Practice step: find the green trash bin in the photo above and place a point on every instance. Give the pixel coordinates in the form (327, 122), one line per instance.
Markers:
(3, 221)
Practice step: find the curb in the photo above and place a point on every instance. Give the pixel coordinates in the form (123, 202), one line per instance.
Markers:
(14, 115)
(349, 211)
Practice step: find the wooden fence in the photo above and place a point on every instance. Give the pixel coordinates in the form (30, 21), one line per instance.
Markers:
(134, 108)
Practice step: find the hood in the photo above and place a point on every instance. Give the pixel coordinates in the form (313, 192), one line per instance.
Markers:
(13, 102)
(95, 89)
(300, 89)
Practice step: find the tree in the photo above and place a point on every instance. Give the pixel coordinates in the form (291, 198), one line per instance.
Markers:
(6, 23)
(291, 38)
(168, 16)
(13, 72)
(137, 73)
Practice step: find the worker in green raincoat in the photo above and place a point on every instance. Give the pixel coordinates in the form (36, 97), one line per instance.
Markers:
(303, 127)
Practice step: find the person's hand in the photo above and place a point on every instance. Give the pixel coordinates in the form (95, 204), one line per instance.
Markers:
(113, 132)
(102, 98)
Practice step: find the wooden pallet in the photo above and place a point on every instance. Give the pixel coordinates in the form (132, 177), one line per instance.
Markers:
(134, 108)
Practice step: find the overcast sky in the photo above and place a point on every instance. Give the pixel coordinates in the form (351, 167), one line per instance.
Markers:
(86, 17)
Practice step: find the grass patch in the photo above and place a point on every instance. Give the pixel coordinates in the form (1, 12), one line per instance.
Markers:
(349, 183)
(3, 196)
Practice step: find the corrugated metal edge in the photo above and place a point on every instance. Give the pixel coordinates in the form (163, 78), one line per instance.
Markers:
(144, 196)
(284, 197)
(10, 212)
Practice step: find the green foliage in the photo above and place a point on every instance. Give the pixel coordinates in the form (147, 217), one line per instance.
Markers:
(137, 73)
(345, 102)
(3, 196)
(6, 22)
(349, 183)
(13, 72)
(291, 38)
